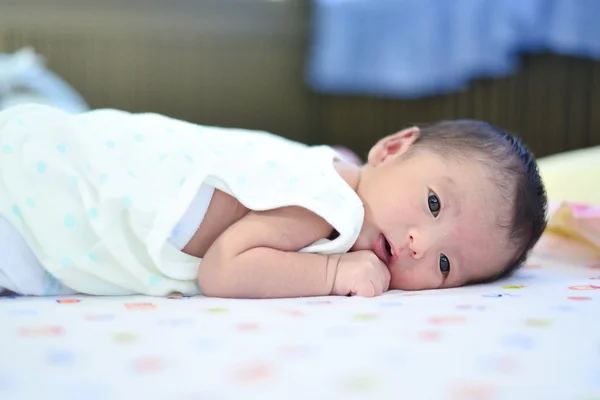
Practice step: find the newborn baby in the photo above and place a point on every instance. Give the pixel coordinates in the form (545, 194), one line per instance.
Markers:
(113, 203)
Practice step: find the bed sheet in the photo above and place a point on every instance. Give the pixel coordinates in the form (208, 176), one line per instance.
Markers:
(533, 336)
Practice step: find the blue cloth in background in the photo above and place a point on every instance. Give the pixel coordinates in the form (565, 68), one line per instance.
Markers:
(415, 48)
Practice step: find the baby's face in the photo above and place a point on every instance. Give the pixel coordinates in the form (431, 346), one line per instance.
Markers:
(432, 221)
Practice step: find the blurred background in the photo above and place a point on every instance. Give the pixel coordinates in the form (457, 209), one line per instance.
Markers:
(343, 72)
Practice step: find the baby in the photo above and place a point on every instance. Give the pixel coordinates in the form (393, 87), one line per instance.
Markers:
(113, 203)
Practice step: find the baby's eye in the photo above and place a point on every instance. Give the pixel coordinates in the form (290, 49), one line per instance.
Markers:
(444, 265)
(434, 204)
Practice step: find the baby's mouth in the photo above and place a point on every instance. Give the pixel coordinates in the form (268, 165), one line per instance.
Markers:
(388, 248)
(383, 250)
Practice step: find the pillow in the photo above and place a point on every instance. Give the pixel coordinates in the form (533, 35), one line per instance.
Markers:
(572, 176)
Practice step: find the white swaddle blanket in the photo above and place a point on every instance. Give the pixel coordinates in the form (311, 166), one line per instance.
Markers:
(96, 196)
(22, 273)
(85, 190)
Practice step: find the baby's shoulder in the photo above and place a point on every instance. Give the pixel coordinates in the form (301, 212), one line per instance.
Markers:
(350, 172)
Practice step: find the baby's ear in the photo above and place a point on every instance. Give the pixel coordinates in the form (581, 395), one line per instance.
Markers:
(393, 145)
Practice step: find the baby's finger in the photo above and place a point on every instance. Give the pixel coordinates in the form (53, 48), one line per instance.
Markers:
(376, 289)
(365, 289)
(386, 277)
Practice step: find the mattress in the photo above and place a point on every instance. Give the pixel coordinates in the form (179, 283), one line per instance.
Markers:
(535, 335)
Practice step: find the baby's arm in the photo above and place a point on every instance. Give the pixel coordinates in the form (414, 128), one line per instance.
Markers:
(257, 257)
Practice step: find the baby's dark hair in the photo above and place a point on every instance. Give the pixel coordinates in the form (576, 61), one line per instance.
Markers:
(513, 169)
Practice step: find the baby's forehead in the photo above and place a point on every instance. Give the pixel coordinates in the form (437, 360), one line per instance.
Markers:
(482, 220)
(486, 188)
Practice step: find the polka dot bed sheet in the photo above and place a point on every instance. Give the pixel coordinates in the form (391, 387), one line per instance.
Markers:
(535, 335)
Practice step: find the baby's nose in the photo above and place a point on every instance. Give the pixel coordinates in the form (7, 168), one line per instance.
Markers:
(415, 245)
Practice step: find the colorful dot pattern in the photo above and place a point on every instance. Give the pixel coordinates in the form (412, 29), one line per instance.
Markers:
(445, 344)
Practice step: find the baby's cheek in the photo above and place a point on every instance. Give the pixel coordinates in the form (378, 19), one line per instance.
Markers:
(403, 279)
(417, 277)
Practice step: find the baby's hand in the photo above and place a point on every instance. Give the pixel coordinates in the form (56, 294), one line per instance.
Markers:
(361, 273)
